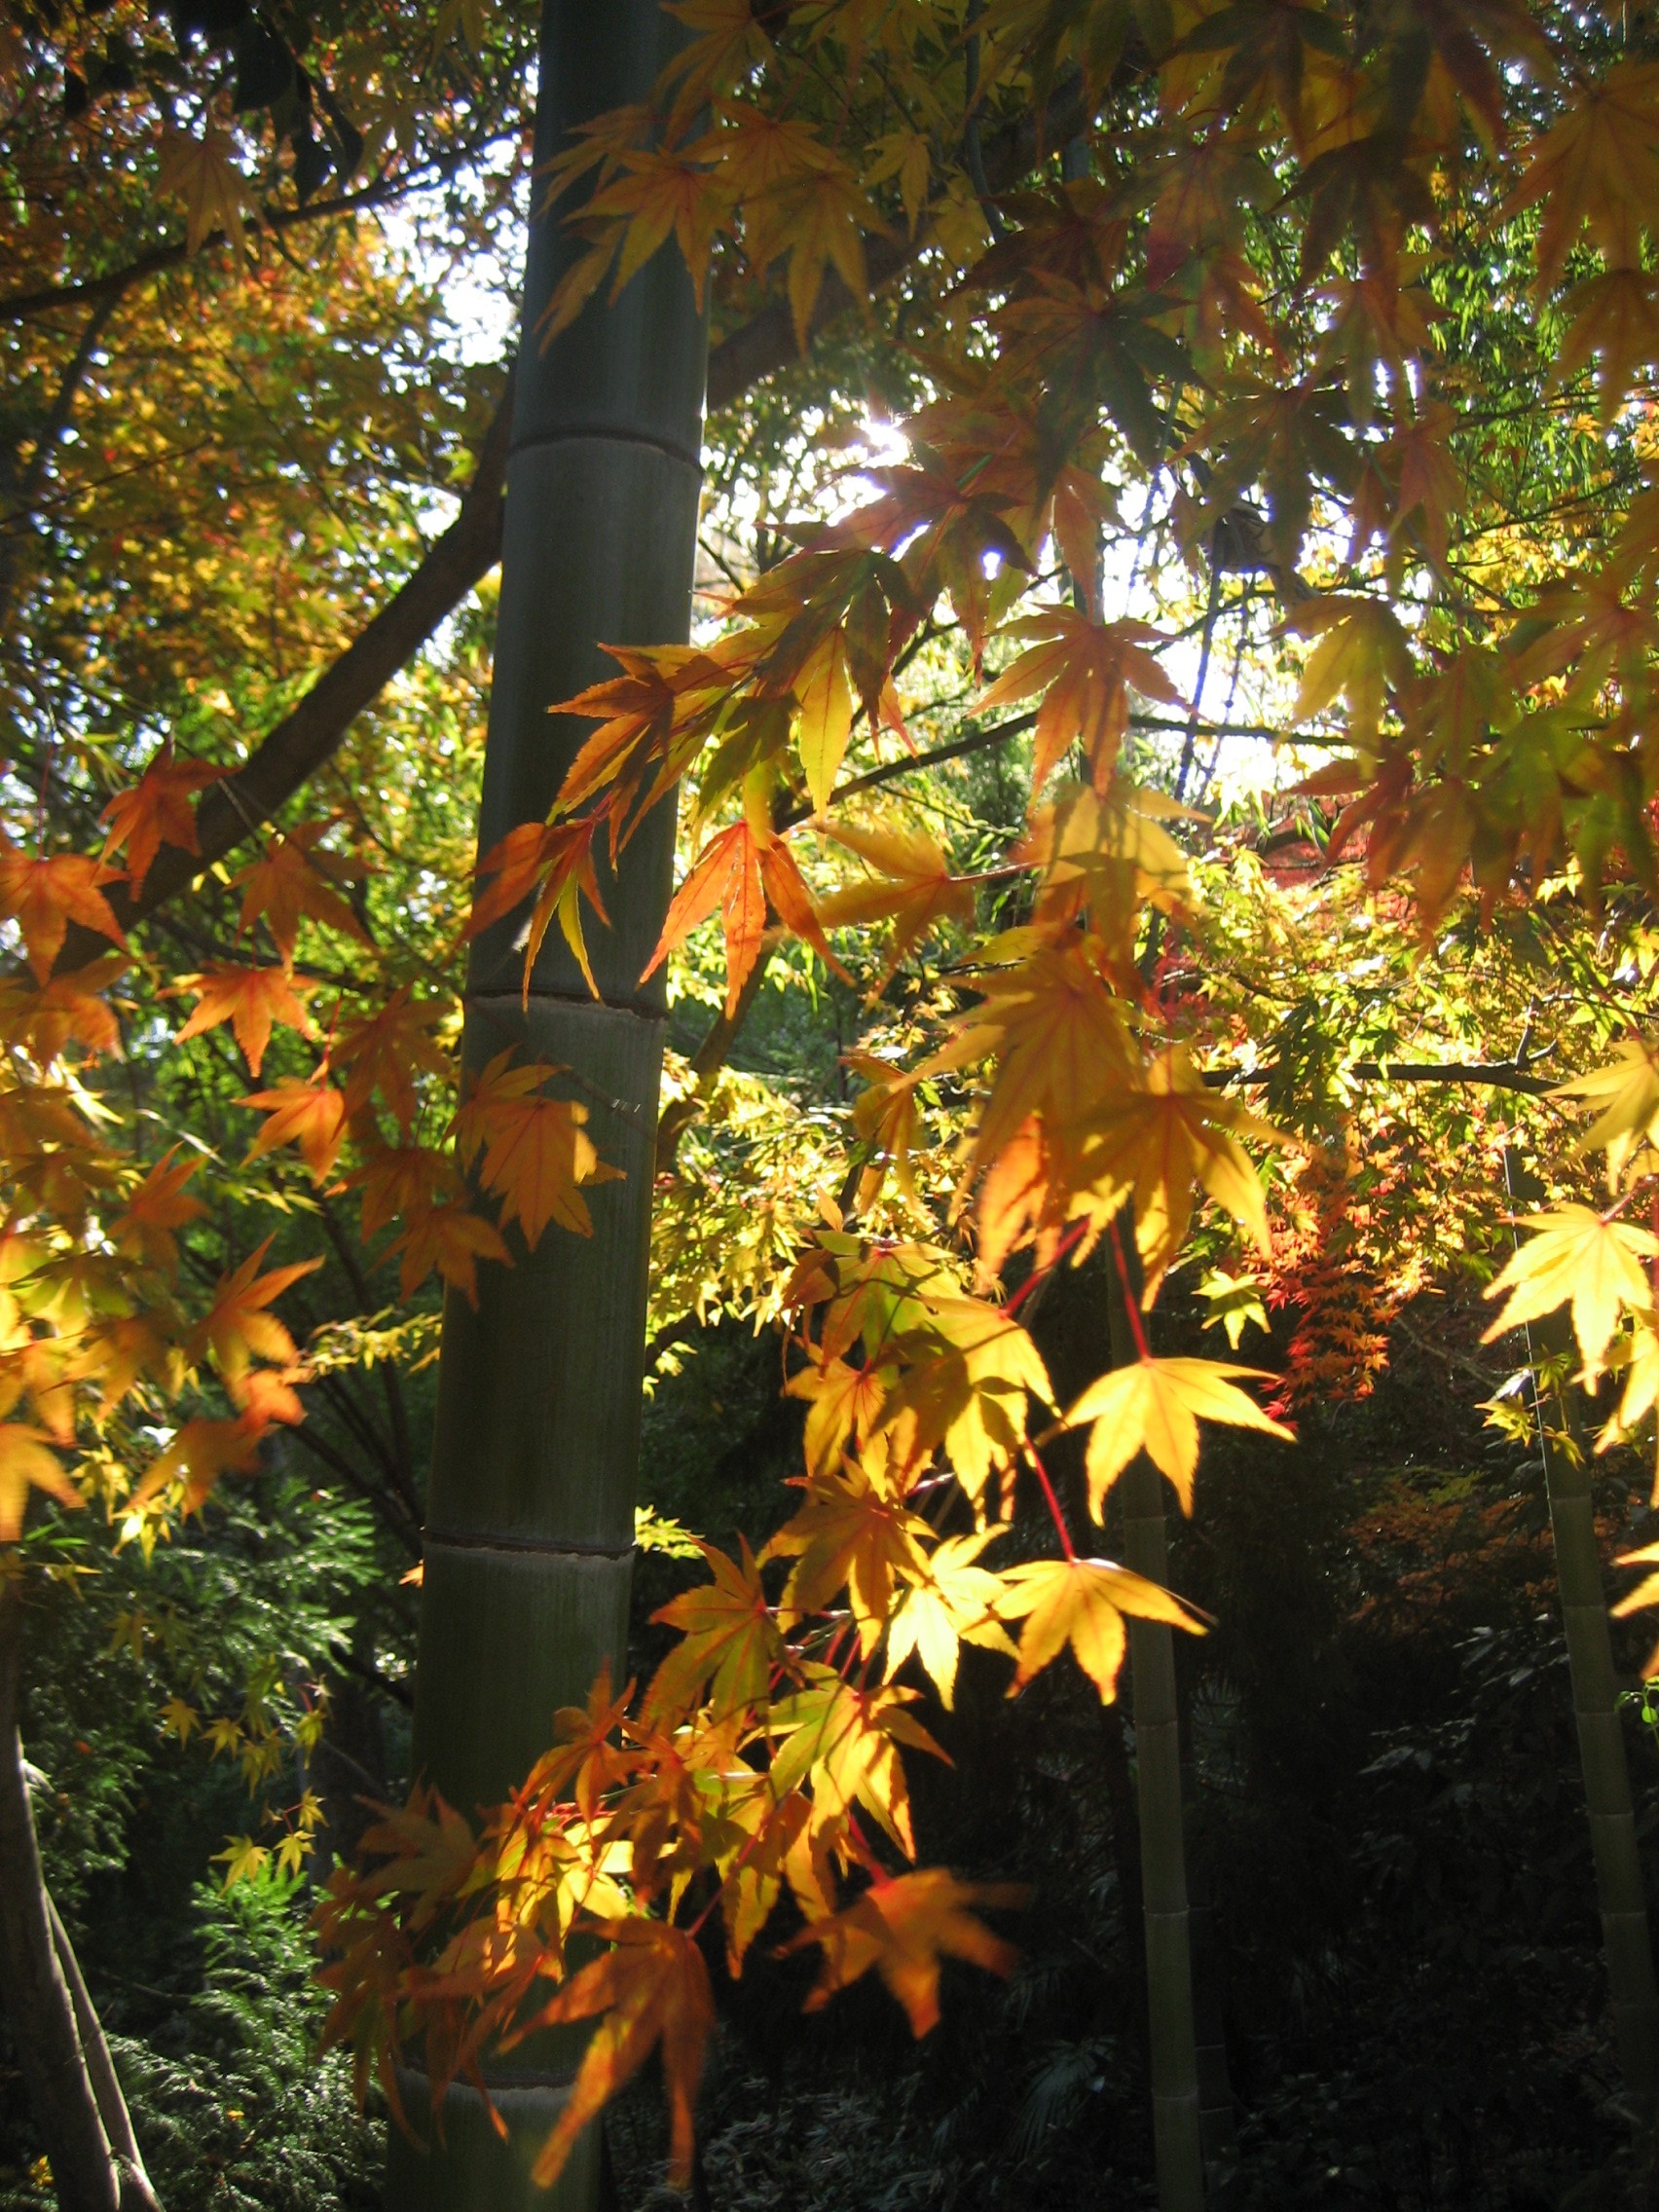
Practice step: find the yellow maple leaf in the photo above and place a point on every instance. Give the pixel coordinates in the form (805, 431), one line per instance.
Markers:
(969, 1370)
(844, 1742)
(26, 1464)
(1362, 651)
(1599, 165)
(904, 1927)
(1059, 1034)
(913, 887)
(955, 1606)
(1085, 671)
(1083, 1603)
(824, 693)
(1155, 1406)
(818, 220)
(1576, 1254)
(1159, 1143)
(844, 1405)
(1641, 1389)
(728, 1640)
(1628, 1094)
(201, 173)
(851, 1534)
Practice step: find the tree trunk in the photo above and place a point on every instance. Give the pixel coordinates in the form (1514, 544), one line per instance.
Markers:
(529, 1514)
(1172, 2036)
(77, 2101)
(1620, 1891)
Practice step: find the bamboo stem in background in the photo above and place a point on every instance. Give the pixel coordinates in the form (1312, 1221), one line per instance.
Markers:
(1172, 2036)
(529, 1514)
(1620, 1892)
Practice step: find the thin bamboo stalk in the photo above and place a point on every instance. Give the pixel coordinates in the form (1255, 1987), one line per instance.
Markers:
(530, 1510)
(1620, 1891)
(1172, 2040)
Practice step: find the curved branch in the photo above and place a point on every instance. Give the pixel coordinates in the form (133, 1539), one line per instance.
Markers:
(38, 1998)
(455, 564)
(15, 307)
(767, 342)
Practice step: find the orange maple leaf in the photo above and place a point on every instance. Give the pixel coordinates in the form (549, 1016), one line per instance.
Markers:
(237, 1328)
(26, 1464)
(452, 1239)
(658, 708)
(653, 1988)
(554, 860)
(1085, 671)
(659, 191)
(310, 1115)
(292, 880)
(385, 1052)
(41, 1022)
(158, 1206)
(399, 1179)
(155, 811)
(198, 1454)
(725, 875)
(252, 1000)
(903, 1927)
(727, 1638)
(536, 1150)
(44, 897)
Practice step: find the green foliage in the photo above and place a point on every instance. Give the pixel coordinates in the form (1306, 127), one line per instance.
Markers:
(234, 2111)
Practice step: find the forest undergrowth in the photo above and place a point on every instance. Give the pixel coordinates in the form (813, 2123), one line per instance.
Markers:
(1390, 1862)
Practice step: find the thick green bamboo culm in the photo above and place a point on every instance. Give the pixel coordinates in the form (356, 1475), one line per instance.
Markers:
(530, 1511)
(1621, 1895)
(1172, 2040)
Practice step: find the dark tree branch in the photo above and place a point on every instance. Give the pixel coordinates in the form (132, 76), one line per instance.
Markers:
(456, 563)
(17, 307)
(372, 1493)
(767, 343)
(38, 1998)
(137, 2194)
(24, 514)
(1498, 1075)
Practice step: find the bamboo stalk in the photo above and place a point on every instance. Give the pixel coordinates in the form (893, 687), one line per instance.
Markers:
(1620, 1891)
(530, 1510)
(1172, 2038)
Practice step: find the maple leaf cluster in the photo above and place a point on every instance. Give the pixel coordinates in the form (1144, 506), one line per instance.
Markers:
(1245, 308)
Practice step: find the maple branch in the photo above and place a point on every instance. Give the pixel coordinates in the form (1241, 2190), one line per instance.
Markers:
(308, 735)
(15, 307)
(768, 343)
(1500, 1075)
(372, 1493)
(457, 562)
(25, 512)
